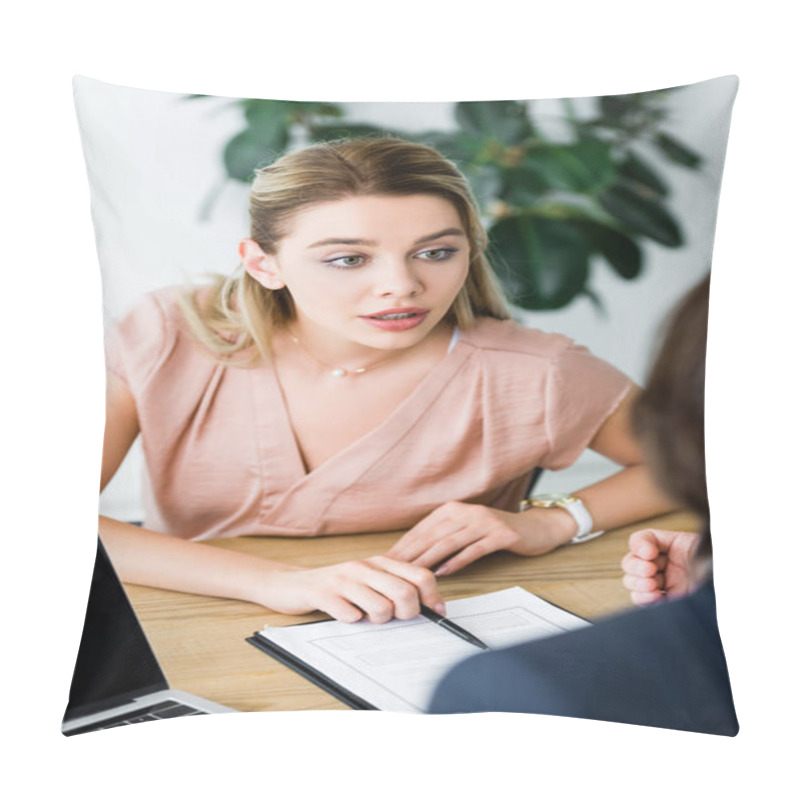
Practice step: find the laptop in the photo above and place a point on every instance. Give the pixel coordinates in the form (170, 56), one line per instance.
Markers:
(117, 679)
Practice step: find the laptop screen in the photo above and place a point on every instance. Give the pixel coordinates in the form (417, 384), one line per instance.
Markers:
(115, 660)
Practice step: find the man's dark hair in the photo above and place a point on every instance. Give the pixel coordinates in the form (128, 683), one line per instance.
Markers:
(668, 418)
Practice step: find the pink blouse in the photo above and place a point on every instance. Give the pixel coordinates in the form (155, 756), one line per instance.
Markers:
(222, 458)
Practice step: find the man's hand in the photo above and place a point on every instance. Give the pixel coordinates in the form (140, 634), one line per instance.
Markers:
(659, 564)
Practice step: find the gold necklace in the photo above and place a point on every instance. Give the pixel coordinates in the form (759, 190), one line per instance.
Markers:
(338, 372)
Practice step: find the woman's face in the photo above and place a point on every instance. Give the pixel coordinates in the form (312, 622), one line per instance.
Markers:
(376, 271)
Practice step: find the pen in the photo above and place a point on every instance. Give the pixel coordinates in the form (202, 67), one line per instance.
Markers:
(430, 614)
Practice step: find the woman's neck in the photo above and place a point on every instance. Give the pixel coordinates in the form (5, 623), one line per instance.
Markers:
(349, 357)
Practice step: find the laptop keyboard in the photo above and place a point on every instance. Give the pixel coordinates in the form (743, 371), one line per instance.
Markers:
(165, 710)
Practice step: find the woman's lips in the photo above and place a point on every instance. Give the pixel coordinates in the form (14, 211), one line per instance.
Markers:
(397, 319)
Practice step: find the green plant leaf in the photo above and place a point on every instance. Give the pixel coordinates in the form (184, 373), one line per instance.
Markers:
(573, 206)
(302, 108)
(543, 263)
(484, 180)
(247, 151)
(504, 120)
(522, 187)
(615, 107)
(268, 123)
(633, 111)
(595, 300)
(638, 172)
(677, 151)
(583, 167)
(266, 113)
(621, 251)
(642, 215)
(458, 146)
(345, 130)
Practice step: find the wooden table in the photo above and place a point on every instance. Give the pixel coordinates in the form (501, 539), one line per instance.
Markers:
(200, 643)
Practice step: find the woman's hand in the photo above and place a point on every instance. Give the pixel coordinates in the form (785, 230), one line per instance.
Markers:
(659, 564)
(456, 534)
(378, 588)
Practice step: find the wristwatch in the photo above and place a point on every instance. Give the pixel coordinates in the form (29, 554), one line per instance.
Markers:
(573, 506)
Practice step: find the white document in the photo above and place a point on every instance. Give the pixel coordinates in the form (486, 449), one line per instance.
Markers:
(397, 665)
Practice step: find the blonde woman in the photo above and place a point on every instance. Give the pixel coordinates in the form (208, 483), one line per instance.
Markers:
(359, 373)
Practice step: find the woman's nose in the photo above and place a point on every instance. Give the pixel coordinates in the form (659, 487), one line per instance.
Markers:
(397, 278)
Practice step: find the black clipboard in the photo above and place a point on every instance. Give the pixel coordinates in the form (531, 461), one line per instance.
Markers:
(319, 678)
(309, 673)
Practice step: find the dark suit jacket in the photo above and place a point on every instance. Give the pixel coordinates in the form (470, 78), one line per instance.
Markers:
(661, 666)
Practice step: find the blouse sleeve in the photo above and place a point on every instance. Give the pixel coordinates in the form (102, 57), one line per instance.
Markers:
(582, 392)
(138, 343)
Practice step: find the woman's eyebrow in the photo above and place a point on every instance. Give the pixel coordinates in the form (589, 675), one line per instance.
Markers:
(341, 240)
(440, 234)
(371, 243)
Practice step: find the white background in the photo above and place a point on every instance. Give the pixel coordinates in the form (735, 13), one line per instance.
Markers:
(52, 396)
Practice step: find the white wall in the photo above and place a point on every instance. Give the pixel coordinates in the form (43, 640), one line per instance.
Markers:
(154, 160)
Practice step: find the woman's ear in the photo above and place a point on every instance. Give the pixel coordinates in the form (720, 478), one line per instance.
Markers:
(260, 266)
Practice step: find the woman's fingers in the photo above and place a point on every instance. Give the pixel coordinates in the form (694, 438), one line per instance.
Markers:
(422, 579)
(419, 539)
(455, 535)
(445, 546)
(379, 589)
(466, 557)
(377, 607)
(341, 609)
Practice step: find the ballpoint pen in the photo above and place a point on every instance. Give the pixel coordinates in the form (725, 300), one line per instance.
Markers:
(445, 623)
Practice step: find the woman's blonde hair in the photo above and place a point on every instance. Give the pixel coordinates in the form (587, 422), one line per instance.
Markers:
(237, 315)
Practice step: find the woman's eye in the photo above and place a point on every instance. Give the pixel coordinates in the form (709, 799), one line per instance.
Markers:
(439, 254)
(346, 262)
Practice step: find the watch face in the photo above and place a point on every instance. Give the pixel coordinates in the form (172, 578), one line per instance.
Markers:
(548, 501)
(550, 498)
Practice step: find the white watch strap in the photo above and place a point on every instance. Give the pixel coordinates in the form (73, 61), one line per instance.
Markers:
(578, 511)
(573, 506)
